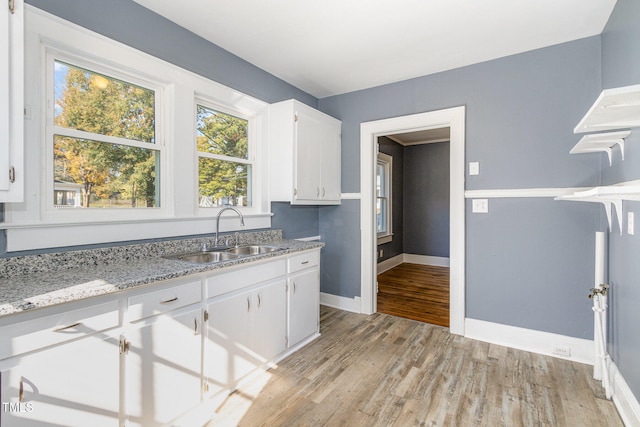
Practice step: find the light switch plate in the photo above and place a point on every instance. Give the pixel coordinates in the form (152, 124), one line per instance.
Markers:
(474, 168)
(631, 227)
(480, 205)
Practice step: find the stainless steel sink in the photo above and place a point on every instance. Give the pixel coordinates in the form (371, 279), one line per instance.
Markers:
(211, 256)
(204, 257)
(254, 250)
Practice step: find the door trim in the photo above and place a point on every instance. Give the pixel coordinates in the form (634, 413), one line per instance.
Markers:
(454, 118)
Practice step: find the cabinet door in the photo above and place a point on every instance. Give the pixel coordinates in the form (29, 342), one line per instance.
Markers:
(75, 383)
(304, 305)
(270, 320)
(331, 160)
(11, 102)
(228, 345)
(308, 149)
(163, 368)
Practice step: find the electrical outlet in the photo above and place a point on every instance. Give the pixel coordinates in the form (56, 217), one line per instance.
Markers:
(562, 350)
(480, 206)
(380, 253)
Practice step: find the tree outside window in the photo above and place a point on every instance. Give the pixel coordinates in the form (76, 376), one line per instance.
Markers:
(103, 141)
(224, 168)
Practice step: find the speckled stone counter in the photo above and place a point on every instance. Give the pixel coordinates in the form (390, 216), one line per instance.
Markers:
(38, 281)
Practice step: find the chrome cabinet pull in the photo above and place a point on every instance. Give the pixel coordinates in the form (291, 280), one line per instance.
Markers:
(318, 192)
(305, 262)
(21, 392)
(294, 287)
(64, 328)
(195, 326)
(169, 301)
(248, 304)
(259, 301)
(322, 191)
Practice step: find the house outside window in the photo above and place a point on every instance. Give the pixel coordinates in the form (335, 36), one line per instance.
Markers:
(383, 198)
(224, 165)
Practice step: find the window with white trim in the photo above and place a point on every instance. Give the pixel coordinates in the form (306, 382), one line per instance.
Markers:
(224, 158)
(102, 133)
(109, 143)
(383, 198)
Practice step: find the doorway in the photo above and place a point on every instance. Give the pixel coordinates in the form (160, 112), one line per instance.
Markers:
(454, 118)
(412, 219)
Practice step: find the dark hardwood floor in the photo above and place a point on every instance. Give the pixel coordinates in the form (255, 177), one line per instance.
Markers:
(417, 292)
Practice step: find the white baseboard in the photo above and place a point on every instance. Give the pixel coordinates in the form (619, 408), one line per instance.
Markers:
(342, 303)
(388, 264)
(626, 403)
(530, 340)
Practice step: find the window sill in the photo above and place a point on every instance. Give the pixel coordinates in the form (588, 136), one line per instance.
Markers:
(30, 236)
(385, 239)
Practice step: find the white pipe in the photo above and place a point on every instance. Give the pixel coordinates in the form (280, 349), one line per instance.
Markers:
(598, 280)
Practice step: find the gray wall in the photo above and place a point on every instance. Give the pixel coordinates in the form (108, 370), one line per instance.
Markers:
(295, 221)
(520, 114)
(621, 67)
(426, 199)
(394, 247)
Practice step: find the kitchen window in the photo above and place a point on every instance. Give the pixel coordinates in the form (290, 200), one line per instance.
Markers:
(103, 135)
(383, 198)
(110, 145)
(224, 165)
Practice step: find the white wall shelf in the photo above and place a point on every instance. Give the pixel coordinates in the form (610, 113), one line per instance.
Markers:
(601, 142)
(617, 108)
(608, 195)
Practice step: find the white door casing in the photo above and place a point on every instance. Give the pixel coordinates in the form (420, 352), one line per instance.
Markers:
(454, 118)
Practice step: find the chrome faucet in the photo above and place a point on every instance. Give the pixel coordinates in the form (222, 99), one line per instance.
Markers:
(218, 222)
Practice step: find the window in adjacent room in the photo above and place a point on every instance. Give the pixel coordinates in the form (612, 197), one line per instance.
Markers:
(104, 141)
(383, 198)
(224, 165)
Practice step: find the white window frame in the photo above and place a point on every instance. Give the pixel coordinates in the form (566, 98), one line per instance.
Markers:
(56, 214)
(251, 150)
(33, 225)
(386, 161)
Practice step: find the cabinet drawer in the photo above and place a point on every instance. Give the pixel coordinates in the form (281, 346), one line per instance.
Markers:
(305, 260)
(161, 301)
(31, 335)
(246, 276)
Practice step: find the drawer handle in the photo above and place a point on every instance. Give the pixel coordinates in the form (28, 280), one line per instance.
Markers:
(305, 262)
(169, 301)
(64, 328)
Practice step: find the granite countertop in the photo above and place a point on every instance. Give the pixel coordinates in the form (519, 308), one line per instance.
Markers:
(39, 281)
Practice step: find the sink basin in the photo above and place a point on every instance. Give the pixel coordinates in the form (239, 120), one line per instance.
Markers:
(254, 250)
(205, 257)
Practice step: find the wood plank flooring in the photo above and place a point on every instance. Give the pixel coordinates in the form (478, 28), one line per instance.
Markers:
(382, 370)
(418, 292)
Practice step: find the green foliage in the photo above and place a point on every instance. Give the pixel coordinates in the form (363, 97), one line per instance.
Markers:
(105, 106)
(225, 135)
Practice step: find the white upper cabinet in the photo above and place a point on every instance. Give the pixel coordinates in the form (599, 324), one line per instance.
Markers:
(304, 150)
(11, 101)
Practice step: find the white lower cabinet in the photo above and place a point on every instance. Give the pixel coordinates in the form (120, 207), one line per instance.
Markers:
(146, 357)
(304, 305)
(244, 330)
(73, 384)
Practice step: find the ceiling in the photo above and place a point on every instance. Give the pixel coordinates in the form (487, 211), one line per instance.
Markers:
(427, 136)
(332, 47)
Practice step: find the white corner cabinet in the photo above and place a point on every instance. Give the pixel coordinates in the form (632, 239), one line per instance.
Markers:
(615, 111)
(163, 354)
(11, 101)
(304, 152)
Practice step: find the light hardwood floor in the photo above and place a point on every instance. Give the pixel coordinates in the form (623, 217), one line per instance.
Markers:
(414, 291)
(382, 370)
